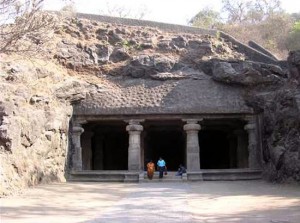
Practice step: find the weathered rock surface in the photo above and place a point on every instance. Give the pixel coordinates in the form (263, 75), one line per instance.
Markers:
(247, 73)
(92, 59)
(281, 133)
(33, 127)
(294, 65)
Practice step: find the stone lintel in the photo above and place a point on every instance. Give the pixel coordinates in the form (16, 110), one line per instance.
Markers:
(250, 119)
(79, 121)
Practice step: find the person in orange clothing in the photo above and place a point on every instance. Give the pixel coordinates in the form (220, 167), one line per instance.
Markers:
(150, 169)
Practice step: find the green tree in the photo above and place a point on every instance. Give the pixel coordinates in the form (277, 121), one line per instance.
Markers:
(261, 10)
(206, 18)
(293, 39)
(262, 21)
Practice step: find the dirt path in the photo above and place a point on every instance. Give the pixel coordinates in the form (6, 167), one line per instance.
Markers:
(239, 201)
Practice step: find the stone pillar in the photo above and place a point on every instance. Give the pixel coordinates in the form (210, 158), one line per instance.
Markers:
(134, 150)
(192, 145)
(232, 150)
(86, 144)
(242, 150)
(77, 156)
(252, 144)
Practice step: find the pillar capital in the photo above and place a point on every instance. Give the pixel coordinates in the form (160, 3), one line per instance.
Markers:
(249, 127)
(134, 121)
(251, 123)
(134, 128)
(77, 130)
(192, 121)
(191, 127)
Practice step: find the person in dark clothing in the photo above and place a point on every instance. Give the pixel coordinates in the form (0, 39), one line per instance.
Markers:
(181, 170)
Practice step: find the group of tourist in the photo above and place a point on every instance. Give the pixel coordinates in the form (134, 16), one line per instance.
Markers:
(162, 168)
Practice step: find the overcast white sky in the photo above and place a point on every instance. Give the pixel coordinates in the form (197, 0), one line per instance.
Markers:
(168, 11)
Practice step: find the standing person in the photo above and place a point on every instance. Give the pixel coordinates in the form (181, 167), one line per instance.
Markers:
(150, 169)
(161, 165)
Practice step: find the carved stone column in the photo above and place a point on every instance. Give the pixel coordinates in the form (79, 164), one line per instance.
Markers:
(252, 144)
(242, 150)
(192, 145)
(77, 156)
(86, 145)
(134, 150)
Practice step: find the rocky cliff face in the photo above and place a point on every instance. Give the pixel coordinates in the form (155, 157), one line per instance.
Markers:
(276, 95)
(34, 124)
(37, 96)
(281, 113)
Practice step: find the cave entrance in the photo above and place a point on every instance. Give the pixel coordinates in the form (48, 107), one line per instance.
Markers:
(223, 144)
(109, 146)
(215, 150)
(164, 139)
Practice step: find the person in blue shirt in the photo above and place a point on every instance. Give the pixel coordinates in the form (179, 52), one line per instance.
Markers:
(161, 165)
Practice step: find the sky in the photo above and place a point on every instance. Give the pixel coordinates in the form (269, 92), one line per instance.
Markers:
(167, 11)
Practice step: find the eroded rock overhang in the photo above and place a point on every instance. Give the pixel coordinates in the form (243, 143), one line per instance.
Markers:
(198, 95)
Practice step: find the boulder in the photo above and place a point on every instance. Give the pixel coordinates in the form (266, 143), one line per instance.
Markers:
(245, 73)
(145, 65)
(118, 55)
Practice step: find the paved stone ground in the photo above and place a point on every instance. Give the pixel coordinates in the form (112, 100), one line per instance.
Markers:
(207, 202)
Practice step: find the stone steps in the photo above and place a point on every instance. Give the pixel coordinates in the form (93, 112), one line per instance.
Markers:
(202, 175)
(170, 177)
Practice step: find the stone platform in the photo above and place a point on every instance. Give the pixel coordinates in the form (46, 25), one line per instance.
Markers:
(103, 176)
(128, 176)
(225, 174)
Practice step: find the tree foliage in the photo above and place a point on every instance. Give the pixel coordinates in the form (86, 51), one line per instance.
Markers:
(206, 18)
(262, 21)
(293, 39)
(250, 11)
